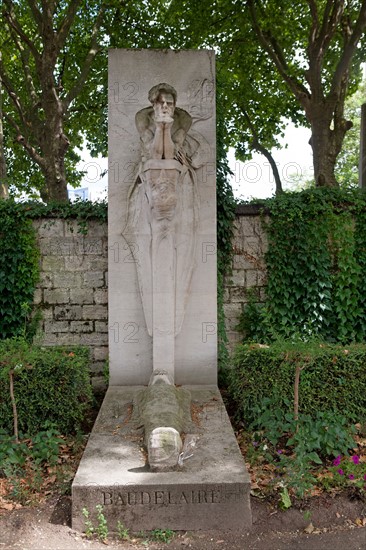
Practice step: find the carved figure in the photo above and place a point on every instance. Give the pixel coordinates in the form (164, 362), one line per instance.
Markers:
(164, 412)
(163, 127)
(163, 217)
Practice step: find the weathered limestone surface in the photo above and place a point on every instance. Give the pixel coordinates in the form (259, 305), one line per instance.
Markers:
(133, 276)
(73, 314)
(72, 292)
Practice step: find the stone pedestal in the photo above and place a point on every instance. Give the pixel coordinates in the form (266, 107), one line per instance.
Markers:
(210, 491)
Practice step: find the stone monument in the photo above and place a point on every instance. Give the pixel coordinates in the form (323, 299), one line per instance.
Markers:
(162, 453)
(167, 225)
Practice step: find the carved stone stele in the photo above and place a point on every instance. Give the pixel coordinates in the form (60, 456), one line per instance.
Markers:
(163, 217)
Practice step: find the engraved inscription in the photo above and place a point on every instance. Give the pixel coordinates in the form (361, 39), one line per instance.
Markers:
(140, 498)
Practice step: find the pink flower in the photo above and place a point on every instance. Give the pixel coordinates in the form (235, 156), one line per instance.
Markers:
(356, 459)
(337, 460)
(341, 472)
(364, 477)
(351, 476)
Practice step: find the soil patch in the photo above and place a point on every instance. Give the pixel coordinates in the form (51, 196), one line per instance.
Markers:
(326, 523)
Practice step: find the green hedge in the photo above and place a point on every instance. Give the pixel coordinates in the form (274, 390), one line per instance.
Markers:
(51, 384)
(333, 378)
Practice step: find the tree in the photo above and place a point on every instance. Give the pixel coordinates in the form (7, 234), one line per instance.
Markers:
(60, 50)
(254, 99)
(318, 80)
(40, 101)
(306, 55)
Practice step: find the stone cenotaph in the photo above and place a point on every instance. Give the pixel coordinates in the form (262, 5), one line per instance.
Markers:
(162, 453)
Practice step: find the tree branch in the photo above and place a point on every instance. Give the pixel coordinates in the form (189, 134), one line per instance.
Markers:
(14, 405)
(272, 47)
(24, 56)
(332, 15)
(36, 14)
(349, 50)
(14, 24)
(65, 26)
(255, 144)
(314, 20)
(23, 141)
(94, 48)
(8, 85)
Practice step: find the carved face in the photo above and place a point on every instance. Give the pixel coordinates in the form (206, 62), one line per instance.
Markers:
(164, 106)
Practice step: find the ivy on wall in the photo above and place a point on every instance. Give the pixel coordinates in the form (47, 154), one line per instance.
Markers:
(19, 267)
(316, 263)
(19, 254)
(81, 210)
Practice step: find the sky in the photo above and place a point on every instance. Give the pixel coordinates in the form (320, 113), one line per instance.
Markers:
(252, 179)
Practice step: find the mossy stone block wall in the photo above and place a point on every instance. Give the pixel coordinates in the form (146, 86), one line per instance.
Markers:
(73, 288)
(248, 275)
(72, 292)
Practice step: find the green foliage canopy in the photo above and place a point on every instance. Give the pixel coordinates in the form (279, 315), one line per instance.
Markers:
(281, 60)
(59, 49)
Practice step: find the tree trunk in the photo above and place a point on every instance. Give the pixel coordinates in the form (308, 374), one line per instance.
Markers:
(328, 128)
(324, 156)
(54, 171)
(52, 140)
(40, 108)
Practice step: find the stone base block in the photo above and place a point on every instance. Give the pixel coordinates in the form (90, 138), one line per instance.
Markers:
(210, 491)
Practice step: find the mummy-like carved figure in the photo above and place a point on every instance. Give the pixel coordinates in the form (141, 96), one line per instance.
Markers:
(163, 217)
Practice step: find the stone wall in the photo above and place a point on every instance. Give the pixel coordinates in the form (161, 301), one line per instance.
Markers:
(248, 269)
(72, 292)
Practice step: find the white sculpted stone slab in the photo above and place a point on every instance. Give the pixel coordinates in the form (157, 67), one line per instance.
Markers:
(162, 222)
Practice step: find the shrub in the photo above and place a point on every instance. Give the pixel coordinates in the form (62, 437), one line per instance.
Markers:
(333, 378)
(51, 384)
